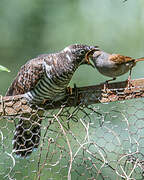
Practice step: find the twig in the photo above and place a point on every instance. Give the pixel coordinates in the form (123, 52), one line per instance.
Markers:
(68, 143)
(17, 105)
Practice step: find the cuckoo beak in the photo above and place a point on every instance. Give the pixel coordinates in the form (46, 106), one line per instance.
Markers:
(89, 54)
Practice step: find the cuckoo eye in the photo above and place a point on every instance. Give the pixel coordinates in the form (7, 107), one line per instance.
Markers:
(82, 51)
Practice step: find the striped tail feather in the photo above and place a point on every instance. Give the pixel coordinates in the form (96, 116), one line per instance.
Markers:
(27, 136)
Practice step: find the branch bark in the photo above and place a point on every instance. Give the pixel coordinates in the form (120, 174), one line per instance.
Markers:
(17, 105)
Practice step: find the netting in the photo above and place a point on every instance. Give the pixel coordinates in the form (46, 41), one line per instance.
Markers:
(104, 140)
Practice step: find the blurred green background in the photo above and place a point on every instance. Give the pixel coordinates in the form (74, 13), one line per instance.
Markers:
(29, 28)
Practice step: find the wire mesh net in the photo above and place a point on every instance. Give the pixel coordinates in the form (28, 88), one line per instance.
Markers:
(85, 141)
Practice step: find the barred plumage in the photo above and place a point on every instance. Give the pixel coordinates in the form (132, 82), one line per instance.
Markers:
(44, 78)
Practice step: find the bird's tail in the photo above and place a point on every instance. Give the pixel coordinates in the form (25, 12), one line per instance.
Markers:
(139, 59)
(27, 136)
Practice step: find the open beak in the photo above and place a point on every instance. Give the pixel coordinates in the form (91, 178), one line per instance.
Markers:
(88, 55)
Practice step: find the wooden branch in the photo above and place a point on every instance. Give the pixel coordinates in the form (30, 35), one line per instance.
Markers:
(17, 105)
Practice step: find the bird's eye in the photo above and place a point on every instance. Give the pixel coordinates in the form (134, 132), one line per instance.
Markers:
(82, 51)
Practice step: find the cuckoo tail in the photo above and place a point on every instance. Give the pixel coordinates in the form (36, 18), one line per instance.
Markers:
(27, 135)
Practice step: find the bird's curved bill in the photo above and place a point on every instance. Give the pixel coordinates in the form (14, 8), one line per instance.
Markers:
(89, 54)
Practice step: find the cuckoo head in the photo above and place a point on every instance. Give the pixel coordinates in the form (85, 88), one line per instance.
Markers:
(81, 53)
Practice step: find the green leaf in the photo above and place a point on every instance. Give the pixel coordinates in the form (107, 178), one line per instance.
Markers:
(2, 68)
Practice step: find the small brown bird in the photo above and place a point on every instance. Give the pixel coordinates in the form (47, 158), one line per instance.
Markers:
(113, 65)
(44, 78)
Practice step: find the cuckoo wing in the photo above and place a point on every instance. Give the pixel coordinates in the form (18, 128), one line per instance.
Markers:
(27, 77)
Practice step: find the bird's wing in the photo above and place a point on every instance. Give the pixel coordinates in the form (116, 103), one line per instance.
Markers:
(119, 59)
(27, 77)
